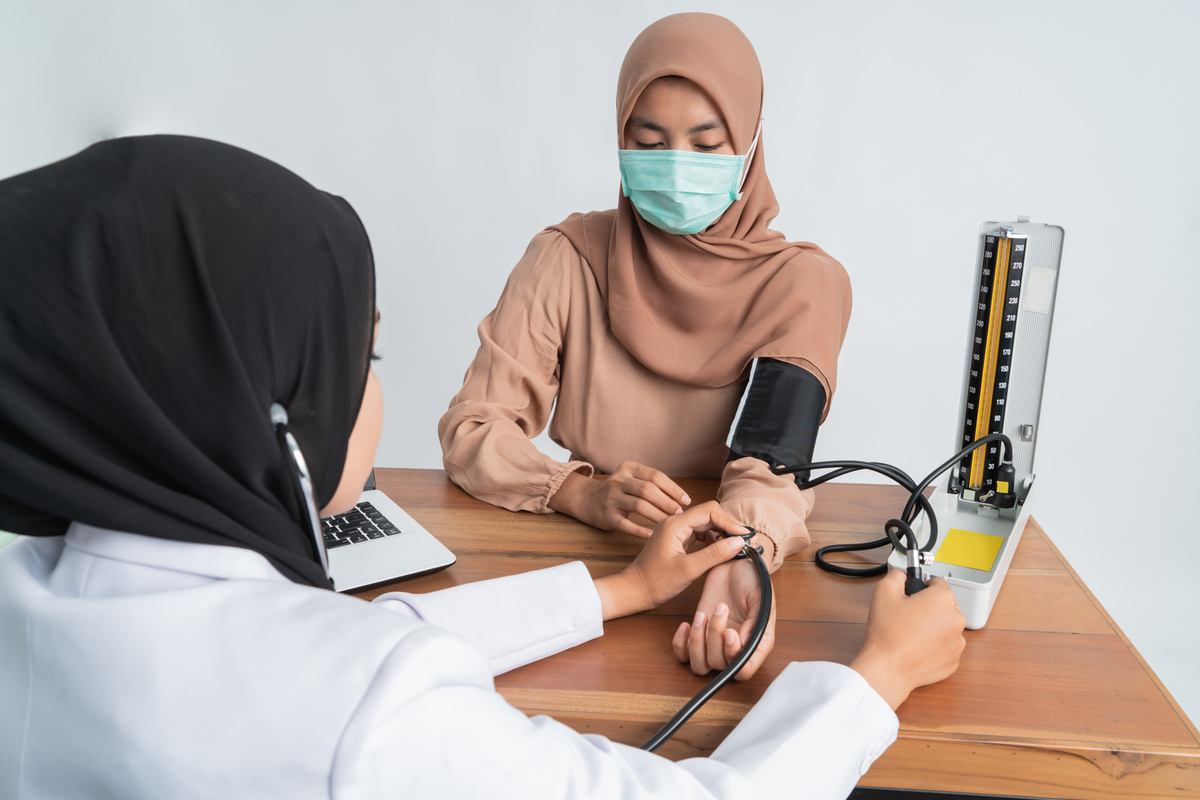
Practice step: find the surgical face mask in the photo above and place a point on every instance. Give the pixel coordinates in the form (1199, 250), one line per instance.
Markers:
(680, 191)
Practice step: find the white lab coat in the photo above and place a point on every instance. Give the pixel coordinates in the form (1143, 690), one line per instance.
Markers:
(135, 667)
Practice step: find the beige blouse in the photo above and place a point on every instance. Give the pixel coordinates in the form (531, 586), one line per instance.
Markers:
(547, 347)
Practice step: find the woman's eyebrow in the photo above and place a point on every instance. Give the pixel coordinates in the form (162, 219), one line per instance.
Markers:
(712, 124)
(645, 122)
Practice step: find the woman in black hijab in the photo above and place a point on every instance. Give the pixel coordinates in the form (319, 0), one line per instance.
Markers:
(166, 628)
(143, 254)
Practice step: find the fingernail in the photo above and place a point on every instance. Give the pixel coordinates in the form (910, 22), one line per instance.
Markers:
(722, 609)
(679, 511)
(699, 620)
(687, 501)
(730, 637)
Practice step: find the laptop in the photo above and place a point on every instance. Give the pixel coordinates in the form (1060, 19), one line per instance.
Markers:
(377, 542)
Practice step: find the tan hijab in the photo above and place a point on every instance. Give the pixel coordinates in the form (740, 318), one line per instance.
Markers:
(697, 308)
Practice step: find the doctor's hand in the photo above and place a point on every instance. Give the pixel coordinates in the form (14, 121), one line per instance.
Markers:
(665, 568)
(725, 616)
(912, 640)
(607, 504)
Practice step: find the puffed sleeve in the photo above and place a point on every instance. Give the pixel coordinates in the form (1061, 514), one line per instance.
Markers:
(769, 503)
(510, 387)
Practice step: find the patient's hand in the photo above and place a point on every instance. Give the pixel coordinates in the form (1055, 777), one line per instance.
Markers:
(607, 504)
(665, 568)
(725, 616)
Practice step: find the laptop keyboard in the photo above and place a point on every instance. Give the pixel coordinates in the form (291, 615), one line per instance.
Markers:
(361, 523)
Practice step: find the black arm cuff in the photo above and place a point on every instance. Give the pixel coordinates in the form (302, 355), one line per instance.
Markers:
(780, 415)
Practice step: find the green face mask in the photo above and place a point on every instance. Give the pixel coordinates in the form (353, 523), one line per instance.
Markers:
(681, 191)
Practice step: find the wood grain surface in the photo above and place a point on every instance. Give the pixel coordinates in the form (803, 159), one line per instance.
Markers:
(1051, 699)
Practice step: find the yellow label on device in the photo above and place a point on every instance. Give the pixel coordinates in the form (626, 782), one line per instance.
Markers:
(969, 549)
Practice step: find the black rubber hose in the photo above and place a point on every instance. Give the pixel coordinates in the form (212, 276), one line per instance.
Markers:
(723, 677)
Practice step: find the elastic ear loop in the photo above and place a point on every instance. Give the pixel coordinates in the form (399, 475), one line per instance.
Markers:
(749, 157)
(279, 417)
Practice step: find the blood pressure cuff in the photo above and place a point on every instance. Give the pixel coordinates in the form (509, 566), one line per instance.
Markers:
(780, 414)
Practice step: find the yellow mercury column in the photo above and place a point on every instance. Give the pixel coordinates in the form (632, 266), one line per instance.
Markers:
(987, 382)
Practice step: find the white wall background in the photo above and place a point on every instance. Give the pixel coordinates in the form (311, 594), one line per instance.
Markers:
(458, 130)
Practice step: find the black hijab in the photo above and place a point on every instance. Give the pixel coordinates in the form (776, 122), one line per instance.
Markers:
(157, 295)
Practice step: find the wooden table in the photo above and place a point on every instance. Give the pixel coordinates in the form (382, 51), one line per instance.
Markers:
(1051, 699)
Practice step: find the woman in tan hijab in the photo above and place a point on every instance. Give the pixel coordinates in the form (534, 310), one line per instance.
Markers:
(640, 327)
